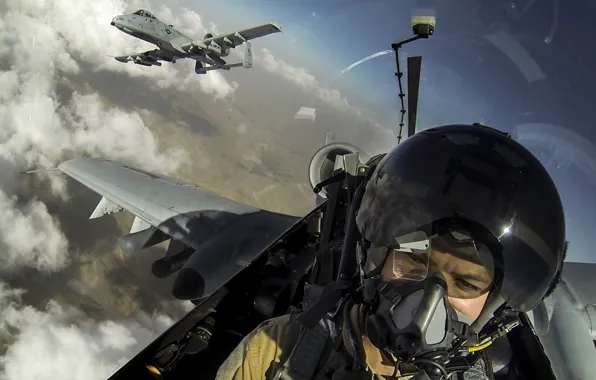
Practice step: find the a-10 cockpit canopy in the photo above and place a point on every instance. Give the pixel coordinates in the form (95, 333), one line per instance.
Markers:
(144, 13)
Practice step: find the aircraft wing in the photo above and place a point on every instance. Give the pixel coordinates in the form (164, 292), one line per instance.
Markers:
(147, 58)
(151, 198)
(234, 39)
(154, 200)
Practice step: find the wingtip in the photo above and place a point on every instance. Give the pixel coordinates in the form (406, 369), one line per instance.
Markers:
(276, 25)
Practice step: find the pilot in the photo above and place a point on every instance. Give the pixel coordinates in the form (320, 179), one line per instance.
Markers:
(459, 219)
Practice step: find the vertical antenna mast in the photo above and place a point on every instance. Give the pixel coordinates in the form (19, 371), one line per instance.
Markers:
(423, 27)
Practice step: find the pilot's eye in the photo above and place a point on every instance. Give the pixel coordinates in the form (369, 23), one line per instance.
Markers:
(466, 286)
(415, 258)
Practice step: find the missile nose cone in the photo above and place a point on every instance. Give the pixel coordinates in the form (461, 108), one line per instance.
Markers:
(189, 285)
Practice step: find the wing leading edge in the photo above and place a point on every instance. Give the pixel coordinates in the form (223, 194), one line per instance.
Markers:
(234, 39)
(155, 199)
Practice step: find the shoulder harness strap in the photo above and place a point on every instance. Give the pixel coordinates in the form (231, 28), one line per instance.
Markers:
(303, 361)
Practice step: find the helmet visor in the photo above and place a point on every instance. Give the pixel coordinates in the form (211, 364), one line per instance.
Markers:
(466, 266)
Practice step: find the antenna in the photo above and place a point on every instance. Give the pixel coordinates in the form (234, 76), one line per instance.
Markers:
(39, 171)
(423, 27)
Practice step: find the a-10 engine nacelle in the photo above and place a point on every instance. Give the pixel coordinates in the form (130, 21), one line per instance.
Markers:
(222, 50)
(322, 163)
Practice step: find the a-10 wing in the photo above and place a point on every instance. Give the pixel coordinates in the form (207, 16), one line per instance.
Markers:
(147, 58)
(224, 236)
(234, 39)
(150, 197)
(568, 323)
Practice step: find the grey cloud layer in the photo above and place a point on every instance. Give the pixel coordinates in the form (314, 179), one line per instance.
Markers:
(41, 43)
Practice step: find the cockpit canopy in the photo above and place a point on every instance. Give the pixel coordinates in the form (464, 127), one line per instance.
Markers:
(144, 13)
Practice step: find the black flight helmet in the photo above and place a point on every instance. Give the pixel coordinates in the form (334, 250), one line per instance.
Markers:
(475, 193)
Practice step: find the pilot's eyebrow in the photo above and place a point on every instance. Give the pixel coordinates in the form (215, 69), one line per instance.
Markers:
(471, 276)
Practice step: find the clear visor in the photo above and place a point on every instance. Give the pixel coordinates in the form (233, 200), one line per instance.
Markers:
(466, 266)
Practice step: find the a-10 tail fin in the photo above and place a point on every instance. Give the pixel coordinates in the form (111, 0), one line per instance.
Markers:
(247, 58)
(329, 137)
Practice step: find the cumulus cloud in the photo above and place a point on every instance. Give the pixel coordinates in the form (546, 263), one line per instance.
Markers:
(41, 44)
(45, 119)
(112, 132)
(81, 31)
(66, 344)
(30, 237)
(45, 40)
(241, 129)
(36, 130)
(303, 79)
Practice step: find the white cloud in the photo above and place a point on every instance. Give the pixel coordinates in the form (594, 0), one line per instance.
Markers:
(44, 40)
(67, 32)
(41, 42)
(30, 237)
(63, 343)
(303, 79)
(112, 132)
(241, 129)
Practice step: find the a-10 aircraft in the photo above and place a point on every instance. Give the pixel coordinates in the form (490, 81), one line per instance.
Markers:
(242, 265)
(173, 45)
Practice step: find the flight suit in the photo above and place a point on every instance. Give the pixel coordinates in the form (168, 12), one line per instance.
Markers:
(261, 353)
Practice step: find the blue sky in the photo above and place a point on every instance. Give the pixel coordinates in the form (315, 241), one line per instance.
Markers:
(466, 77)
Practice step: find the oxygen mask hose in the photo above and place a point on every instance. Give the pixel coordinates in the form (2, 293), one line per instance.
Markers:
(431, 368)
